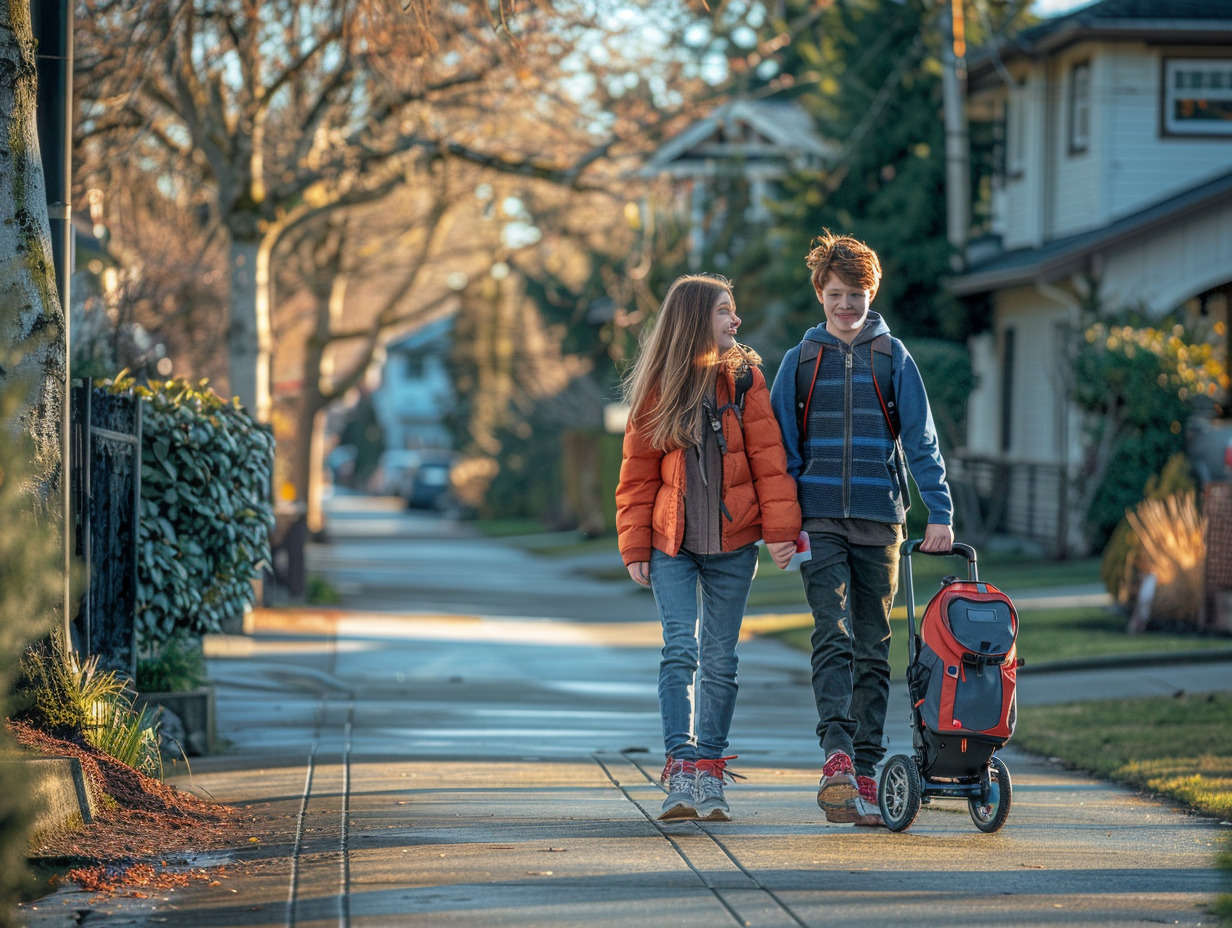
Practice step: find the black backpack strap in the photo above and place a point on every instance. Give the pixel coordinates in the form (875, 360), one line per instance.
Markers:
(744, 383)
(806, 380)
(883, 380)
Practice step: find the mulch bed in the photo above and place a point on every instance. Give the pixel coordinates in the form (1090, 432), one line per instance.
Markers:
(142, 831)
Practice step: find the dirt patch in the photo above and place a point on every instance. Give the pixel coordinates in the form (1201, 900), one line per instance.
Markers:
(144, 832)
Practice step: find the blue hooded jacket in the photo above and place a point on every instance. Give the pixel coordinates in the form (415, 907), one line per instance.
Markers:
(848, 467)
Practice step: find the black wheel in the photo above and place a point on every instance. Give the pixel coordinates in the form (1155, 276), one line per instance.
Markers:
(899, 796)
(991, 815)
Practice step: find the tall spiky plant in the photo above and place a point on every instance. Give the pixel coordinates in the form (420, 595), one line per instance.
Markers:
(1172, 549)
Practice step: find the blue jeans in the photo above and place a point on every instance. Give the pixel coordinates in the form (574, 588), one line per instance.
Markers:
(850, 589)
(701, 601)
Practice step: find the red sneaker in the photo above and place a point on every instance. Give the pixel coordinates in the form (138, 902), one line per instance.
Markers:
(837, 792)
(870, 809)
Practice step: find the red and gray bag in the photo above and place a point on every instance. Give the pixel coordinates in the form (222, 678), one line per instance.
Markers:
(963, 673)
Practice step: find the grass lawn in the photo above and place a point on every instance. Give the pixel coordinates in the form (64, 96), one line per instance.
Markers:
(1117, 739)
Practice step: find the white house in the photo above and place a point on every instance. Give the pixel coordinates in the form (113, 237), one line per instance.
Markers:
(755, 142)
(1114, 176)
(416, 391)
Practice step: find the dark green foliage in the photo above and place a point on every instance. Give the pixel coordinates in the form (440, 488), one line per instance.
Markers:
(1138, 457)
(949, 379)
(1134, 381)
(46, 695)
(206, 512)
(363, 431)
(178, 665)
(877, 95)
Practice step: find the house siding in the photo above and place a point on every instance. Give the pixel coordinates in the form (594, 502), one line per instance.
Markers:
(1024, 183)
(1143, 165)
(1159, 272)
(1037, 386)
(1077, 201)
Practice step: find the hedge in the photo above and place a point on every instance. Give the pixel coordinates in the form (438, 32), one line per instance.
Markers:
(206, 508)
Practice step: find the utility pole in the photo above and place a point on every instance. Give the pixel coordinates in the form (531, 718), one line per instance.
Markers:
(52, 24)
(953, 79)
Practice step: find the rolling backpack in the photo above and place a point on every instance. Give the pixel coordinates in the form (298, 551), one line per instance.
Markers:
(964, 672)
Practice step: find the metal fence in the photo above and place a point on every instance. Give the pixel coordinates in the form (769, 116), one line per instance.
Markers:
(105, 478)
(1025, 500)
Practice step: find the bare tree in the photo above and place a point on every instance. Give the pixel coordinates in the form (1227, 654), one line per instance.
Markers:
(286, 108)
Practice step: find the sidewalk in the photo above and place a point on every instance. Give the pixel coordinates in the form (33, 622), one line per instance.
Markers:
(436, 770)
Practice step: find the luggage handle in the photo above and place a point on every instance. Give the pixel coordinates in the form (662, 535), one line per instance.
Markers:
(912, 546)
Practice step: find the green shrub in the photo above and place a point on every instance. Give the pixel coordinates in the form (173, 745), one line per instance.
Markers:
(206, 511)
(321, 592)
(68, 696)
(177, 666)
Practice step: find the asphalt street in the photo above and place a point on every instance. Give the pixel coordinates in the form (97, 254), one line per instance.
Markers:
(472, 739)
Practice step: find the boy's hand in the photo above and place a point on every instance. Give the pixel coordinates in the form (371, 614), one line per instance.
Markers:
(782, 552)
(639, 572)
(937, 539)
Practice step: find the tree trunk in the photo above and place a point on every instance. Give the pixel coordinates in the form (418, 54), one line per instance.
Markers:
(306, 468)
(249, 342)
(32, 327)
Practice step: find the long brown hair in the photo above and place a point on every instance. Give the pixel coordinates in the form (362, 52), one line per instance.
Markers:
(677, 363)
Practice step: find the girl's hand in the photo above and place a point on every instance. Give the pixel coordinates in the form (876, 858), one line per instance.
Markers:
(639, 572)
(782, 552)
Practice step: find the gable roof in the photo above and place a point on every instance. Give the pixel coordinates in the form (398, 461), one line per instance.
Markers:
(1064, 256)
(424, 338)
(1200, 22)
(740, 132)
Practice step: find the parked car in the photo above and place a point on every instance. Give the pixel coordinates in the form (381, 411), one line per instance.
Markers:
(1210, 450)
(392, 470)
(428, 486)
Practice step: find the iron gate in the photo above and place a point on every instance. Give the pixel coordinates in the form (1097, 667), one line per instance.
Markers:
(106, 489)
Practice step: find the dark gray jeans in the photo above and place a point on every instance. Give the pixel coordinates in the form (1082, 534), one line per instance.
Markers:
(850, 589)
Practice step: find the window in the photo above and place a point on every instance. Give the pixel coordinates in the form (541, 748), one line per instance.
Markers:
(1197, 96)
(1079, 108)
(1015, 132)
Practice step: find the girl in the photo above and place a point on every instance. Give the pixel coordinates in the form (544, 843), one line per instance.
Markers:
(704, 476)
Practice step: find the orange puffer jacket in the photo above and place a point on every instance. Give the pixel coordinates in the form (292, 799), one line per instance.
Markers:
(757, 490)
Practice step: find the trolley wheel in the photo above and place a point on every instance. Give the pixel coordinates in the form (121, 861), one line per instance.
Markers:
(991, 815)
(899, 796)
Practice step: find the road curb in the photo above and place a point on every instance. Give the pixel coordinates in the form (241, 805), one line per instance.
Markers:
(1114, 661)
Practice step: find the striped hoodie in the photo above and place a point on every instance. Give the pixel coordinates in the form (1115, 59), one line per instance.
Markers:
(847, 466)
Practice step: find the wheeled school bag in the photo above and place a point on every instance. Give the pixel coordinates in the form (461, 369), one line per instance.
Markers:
(962, 679)
(965, 674)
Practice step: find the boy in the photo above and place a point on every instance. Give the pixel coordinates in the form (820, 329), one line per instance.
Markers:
(840, 415)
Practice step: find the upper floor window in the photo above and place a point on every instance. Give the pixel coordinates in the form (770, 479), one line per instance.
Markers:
(1080, 107)
(1197, 97)
(1016, 132)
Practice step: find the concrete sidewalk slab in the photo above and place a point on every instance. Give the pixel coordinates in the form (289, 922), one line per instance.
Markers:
(443, 771)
